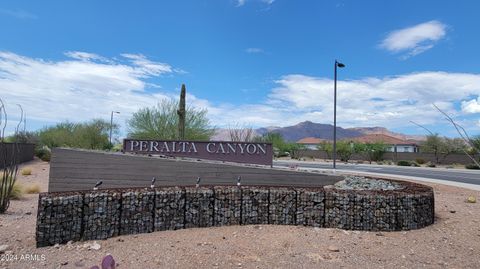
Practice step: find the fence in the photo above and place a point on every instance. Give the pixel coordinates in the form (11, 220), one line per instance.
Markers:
(392, 156)
(25, 152)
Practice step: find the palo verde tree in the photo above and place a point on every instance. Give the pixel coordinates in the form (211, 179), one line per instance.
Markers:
(162, 121)
(93, 134)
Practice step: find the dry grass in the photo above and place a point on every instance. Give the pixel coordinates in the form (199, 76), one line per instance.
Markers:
(33, 188)
(17, 192)
(26, 171)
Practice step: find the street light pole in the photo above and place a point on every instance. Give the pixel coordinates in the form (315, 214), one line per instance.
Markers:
(111, 124)
(337, 64)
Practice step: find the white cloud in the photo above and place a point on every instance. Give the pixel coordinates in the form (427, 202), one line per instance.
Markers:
(472, 106)
(388, 101)
(91, 86)
(254, 50)
(242, 2)
(80, 88)
(416, 39)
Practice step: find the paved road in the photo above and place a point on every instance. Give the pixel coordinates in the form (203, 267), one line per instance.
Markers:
(456, 175)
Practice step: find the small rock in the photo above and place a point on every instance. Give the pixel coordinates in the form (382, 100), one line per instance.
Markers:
(453, 211)
(95, 246)
(64, 263)
(79, 263)
(28, 213)
(333, 249)
(120, 240)
(57, 246)
(471, 199)
(379, 234)
(404, 257)
(4, 248)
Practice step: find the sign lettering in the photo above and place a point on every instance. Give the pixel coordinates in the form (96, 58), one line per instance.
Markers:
(242, 152)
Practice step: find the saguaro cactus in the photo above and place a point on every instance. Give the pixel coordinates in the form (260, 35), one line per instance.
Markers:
(181, 114)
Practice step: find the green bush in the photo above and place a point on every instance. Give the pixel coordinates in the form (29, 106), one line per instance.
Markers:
(404, 163)
(420, 161)
(472, 166)
(44, 154)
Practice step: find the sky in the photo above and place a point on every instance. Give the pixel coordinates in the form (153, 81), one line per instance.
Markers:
(251, 63)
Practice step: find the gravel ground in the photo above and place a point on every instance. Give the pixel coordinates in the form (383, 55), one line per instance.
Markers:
(452, 242)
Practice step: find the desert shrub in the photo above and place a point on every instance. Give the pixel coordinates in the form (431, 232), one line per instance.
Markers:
(26, 171)
(414, 164)
(34, 188)
(472, 166)
(404, 163)
(420, 161)
(43, 153)
(431, 164)
(17, 192)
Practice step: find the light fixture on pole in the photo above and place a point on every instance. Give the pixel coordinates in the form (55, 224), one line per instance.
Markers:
(337, 64)
(111, 124)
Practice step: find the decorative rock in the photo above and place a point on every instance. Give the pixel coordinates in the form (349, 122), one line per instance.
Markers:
(95, 246)
(255, 206)
(64, 217)
(228, 205)
(4, 248)
(333, 249)
(471, 199)
(137, 211)
(169, 209)
(282, 206)
(199, 203)
(101, 215)
(364, 183)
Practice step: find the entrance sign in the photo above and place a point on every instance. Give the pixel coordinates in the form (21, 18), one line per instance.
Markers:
(240, 152)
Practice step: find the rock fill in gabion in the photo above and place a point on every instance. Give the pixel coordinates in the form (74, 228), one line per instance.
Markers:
(364, 183)
(359, 204)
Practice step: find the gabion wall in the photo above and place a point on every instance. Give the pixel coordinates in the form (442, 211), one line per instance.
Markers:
(101, 214)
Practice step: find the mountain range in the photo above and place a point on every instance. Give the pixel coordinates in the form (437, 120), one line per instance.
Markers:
(319, 130)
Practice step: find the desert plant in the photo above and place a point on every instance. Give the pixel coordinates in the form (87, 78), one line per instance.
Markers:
(161, 122)
(472, 166)
(10, 160)
(420, 161)
(26, 171)
(43, 153)
(17, 191)
(239, 133)
(429, 164)
(404, 163)
(32, 188)
(345, 150)
(93, 134)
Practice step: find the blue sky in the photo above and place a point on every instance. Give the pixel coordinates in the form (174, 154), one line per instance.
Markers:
(251, 62)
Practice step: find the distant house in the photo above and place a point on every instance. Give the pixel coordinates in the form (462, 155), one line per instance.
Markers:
(311, 142)
(393, 144)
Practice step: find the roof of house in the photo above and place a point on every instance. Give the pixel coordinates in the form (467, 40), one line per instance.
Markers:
(373, 138)
(310, 140)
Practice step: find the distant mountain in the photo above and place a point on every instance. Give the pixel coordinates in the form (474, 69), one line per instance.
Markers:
(319, 130)
(311, 129)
